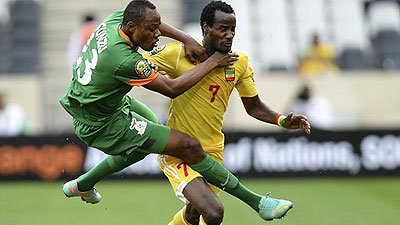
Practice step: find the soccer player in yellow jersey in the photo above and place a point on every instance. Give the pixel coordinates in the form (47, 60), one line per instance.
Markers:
(199, 111)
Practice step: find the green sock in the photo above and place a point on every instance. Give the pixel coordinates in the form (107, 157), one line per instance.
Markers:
(217, 175)
(108, 166)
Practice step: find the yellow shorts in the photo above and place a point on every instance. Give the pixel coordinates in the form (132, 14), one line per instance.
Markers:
(180, 174)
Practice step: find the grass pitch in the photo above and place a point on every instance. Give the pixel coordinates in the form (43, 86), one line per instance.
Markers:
(324, 201)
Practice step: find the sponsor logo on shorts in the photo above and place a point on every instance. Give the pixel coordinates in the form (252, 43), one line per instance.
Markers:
(140, 126)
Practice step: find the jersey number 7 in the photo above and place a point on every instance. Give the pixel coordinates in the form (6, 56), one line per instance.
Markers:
(215, 89)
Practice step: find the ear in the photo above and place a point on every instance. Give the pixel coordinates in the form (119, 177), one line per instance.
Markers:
(131, 26)
(206, 28)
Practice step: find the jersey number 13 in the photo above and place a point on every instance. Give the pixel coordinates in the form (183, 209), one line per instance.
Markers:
(90, 64)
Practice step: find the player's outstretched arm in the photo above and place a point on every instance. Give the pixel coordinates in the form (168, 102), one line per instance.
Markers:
(193, 49)
(174, 88)
(259, 110)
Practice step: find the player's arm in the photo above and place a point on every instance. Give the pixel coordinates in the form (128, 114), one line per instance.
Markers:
(193, 49)
(174, 88)
(259, 110)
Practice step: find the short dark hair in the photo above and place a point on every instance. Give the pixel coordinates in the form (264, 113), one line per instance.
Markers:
(208, 12)
(135, 10)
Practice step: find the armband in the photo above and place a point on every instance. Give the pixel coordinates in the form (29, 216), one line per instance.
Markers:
(279, 119)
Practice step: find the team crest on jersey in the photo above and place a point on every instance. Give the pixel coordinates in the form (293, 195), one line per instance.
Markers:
(229, 74)
(156, 50)
(143, 68)
(140, 126)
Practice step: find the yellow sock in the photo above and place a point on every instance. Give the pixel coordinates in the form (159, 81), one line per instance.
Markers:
(179, 218)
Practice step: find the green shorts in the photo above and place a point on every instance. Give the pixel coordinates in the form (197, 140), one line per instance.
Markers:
(134, 129)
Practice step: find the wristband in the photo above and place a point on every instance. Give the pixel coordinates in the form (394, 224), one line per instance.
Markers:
(279, 119)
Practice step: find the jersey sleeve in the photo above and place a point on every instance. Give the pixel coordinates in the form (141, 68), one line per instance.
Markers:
(166, 57)
(135, 71)
(246, 85)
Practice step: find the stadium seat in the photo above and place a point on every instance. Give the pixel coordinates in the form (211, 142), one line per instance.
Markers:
(308, 17)
(352, 59)
(384, 15)
(386, 45)
(347, 35)
(192, 10)
(25, 36)
(273, 35)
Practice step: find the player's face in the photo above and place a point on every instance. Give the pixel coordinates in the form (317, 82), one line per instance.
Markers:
(147, 33)
(222, 32)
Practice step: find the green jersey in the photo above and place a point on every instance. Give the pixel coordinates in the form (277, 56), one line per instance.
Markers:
(105, 72)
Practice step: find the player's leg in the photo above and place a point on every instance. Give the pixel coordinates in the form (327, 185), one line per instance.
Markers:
(110, 165)
(115, 163)
(203, 201)
(83, 186)
(188, 149)
(188, 210)
(189, 185)
(118, 137)
(192, 215)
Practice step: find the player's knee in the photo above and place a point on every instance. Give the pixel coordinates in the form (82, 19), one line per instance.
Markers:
(192, 151)
(214, 215)
(192, 216)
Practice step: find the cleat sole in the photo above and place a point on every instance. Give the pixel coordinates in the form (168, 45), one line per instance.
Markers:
(286, 212)
(284, 215)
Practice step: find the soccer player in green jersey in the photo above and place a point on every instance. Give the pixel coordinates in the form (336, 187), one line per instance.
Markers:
(106, 118)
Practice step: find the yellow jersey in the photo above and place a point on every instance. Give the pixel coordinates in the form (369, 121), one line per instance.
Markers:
(200, 110)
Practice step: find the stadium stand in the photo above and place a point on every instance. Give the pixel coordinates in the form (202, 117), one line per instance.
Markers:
(384, 27)
(386, 45)
(25, 36)
(276, 51)
(309, 16)
(349, 39)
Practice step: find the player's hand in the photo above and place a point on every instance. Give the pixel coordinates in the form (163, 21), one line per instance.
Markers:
(297, 122)
(223, 59)
(194, 51)
(153, 66)
(163, 73)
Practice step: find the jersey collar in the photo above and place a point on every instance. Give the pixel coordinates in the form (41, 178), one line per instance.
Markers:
(124, 36)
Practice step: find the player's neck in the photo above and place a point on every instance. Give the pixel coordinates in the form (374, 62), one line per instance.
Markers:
(128, 34)
(209, 49)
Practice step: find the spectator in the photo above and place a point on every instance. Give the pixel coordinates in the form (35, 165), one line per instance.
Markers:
(12, 119)
(319, 58)
(317, 109)
(78, 38)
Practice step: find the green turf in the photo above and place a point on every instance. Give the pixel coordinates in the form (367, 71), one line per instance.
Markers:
(336, 201)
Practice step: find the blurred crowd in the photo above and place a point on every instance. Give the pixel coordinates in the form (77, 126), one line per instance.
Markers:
(380, 21)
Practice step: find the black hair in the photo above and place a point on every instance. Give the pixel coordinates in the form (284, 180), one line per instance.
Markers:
(208, 12)
(135, 10)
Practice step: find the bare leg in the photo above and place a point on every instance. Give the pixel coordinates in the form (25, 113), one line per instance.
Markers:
(203, 201)
(182, 146)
